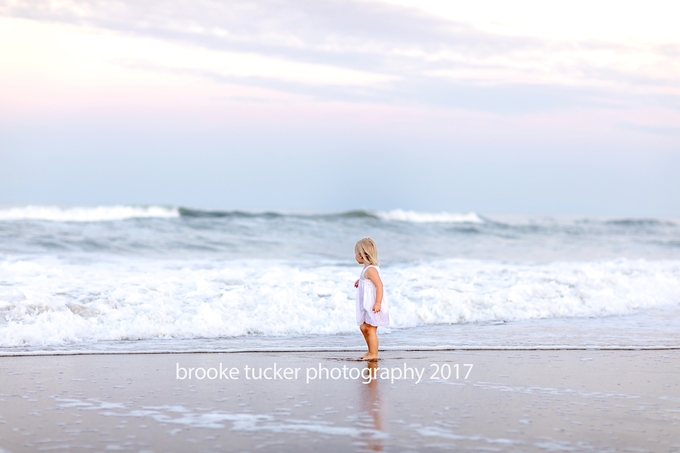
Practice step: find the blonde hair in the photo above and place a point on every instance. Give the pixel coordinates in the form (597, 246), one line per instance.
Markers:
(367, 249)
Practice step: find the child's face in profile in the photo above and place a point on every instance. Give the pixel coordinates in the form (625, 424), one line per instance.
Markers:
(359, 258)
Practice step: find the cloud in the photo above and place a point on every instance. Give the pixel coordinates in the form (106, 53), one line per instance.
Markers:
(416, 57)
(349, 33)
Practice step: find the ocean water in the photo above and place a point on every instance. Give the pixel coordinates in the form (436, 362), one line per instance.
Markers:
(162, 278)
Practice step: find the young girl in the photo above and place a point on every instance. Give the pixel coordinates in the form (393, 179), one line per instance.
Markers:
(371, 307)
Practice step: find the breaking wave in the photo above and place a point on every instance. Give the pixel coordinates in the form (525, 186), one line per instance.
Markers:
(86, 214)
(52, 301)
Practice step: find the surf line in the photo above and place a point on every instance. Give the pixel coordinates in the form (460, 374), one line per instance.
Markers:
(298, 350)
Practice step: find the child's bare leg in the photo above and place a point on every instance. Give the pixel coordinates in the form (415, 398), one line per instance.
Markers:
(364, 331)
(371, 336)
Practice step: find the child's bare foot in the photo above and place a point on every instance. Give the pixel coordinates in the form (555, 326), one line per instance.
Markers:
(368, 356)
(363, 357)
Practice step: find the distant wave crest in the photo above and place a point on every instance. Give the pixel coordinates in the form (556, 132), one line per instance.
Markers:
(398, 215)
(429, 217)
(216, 214)
(86, 214)
(120, 212)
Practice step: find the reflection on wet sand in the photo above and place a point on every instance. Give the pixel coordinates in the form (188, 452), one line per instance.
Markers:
(371, 409)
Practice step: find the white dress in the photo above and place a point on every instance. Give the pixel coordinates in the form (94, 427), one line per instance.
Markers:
(365, 301)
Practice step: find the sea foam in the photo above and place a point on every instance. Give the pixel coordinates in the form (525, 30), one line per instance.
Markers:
(49, 301)
(86, 214)
(429, 217)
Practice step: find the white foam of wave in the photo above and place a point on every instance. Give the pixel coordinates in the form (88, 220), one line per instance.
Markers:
(52, 302)
(86, 214)
(429, 217)
(215, 419)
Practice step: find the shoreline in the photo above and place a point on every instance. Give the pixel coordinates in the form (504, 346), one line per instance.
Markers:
(344, 350)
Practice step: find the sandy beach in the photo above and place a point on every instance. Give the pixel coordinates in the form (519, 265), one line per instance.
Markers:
(560, 400)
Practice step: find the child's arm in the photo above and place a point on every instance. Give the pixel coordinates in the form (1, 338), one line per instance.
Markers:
(374, 276)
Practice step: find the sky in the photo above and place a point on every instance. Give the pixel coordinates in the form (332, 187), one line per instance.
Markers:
(522, 107)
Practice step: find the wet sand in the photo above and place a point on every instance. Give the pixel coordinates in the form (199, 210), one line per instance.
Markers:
(511, 401)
